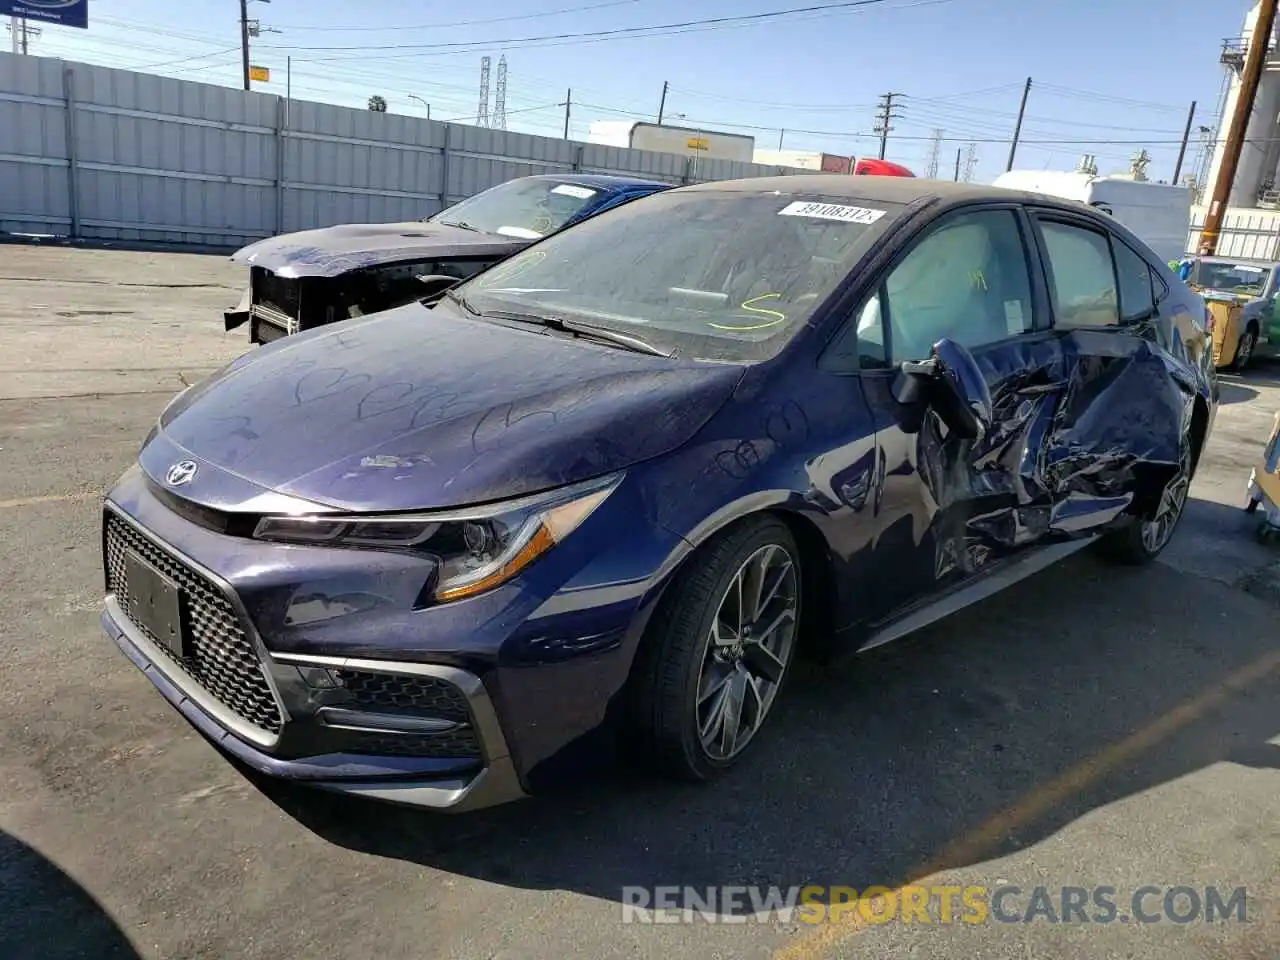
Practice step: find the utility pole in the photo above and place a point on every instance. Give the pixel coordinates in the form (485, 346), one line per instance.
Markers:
(781, 134)
(883, 119)
(957, 177)
(568, 103)
(1182, 150)
(1017, 127)
(244, 39)
(1252, 74)
(22, 33)
(662, 102)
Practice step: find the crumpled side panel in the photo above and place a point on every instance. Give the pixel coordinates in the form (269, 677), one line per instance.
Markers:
(1084, 427)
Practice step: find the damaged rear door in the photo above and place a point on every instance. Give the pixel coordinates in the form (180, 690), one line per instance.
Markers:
(1089, 405)
(1125, 426)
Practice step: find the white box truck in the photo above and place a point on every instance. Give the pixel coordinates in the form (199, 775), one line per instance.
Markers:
(664, 138)
(1158, 213)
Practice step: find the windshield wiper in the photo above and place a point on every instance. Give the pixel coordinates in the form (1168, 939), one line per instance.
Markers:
(463, 302)
(603, 334)
(461, 225)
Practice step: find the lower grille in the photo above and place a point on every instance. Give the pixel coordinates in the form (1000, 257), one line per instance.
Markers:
(410, 696)
(454, 744)
(399, 693)
(222, 659)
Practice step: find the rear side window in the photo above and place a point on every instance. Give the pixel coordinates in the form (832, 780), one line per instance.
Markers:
(1134, 274)
(1083, 276)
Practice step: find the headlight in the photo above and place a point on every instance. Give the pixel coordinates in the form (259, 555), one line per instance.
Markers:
(476, 550)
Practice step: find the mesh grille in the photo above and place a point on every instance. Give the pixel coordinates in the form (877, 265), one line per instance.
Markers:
(455, 743)
(413, 696)
(394, 693)
(222, 659)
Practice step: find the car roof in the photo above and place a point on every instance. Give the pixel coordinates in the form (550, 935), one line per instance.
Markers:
(1242, 261)
(600, 180)
(904, 190)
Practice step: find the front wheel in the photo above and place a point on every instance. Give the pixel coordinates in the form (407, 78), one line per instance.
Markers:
(717, 652)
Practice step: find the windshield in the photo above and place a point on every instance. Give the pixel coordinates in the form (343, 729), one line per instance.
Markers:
(520, 208)
(1230, 277)
(710, 274)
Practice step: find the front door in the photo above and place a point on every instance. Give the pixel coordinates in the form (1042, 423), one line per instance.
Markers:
(949, 506)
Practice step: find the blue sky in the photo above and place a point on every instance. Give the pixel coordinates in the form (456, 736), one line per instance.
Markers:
(1120, 73)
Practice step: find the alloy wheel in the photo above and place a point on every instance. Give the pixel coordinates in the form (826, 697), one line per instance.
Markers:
(747, 651)
(1157, 531)
(1244, 353)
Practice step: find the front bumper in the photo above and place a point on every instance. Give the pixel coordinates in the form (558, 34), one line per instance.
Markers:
(312, 736)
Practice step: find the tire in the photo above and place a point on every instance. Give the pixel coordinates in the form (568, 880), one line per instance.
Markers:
(1245, 349)
(680, 658)
(1142, 541)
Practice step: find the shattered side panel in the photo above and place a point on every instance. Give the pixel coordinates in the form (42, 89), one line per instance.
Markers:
(1086, 425)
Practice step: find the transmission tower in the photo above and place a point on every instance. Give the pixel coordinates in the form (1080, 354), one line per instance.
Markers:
(500, 96)
(482, 112)
(970, 162)
(931, 167)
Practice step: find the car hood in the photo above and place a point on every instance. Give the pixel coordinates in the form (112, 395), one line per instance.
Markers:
(335, 250)
(415, 408)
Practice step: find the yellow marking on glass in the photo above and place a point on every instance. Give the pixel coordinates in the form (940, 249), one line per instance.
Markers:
(746, 305)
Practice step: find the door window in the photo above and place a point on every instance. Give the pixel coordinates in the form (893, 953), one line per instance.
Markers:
(1083, 275)
(967, 280)
(1136, 296)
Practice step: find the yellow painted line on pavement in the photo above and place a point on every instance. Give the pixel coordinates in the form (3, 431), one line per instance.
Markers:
(977, 844)
(50, 498)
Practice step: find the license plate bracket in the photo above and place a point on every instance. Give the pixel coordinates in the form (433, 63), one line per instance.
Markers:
(157, 604)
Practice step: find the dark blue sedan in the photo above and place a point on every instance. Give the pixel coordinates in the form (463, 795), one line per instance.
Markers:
(300, 281)
(607, 491)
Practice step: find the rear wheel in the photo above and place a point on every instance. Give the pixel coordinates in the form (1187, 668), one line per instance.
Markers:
(1142, 541)
(717, 651)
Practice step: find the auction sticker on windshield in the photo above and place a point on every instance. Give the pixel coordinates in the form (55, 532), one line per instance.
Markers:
(570, 190)
(831, 211)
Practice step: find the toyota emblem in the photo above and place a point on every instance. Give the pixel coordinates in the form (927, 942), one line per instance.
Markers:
(184, 471)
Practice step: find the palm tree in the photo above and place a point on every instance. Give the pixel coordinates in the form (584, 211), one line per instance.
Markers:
(377, 104)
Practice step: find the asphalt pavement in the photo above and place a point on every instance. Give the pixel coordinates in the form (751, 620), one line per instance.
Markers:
(1091, 727)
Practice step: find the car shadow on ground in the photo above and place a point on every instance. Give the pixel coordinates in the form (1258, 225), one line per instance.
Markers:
(1262, 372)
(1234, 392)
(46, 914)
(981, 735)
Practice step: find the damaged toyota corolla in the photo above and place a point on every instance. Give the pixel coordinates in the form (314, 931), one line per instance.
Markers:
(299, 281)
(605, 493)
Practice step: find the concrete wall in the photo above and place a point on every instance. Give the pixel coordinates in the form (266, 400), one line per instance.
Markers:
(98, 153)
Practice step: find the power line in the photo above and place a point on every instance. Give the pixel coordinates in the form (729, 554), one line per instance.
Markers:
(200, 56)
(620, 31)
(360, 28)
(1106, 97)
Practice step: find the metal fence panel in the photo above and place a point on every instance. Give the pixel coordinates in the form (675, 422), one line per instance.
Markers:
(96, 152)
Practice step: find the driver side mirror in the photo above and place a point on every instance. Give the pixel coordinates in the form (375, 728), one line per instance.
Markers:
(950, 382)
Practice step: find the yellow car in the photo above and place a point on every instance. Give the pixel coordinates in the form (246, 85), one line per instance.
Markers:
(1241, 298)
(1264, 486)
